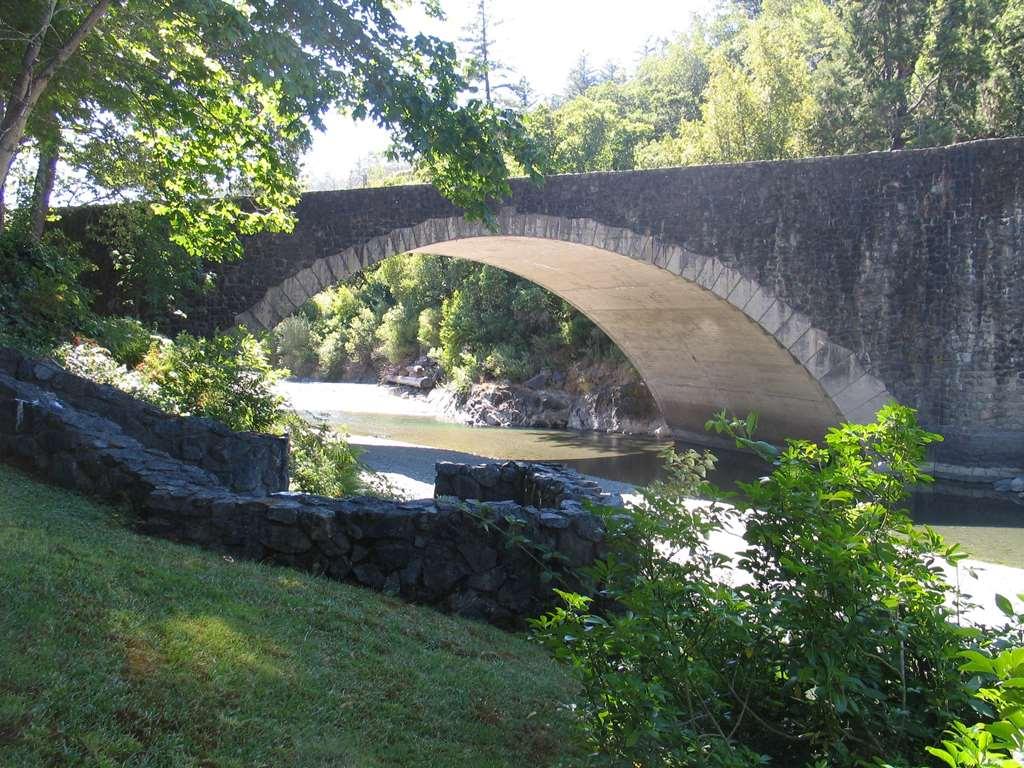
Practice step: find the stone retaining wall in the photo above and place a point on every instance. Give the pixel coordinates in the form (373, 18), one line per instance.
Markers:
(454, 555)
(531, 484)
(245, 462)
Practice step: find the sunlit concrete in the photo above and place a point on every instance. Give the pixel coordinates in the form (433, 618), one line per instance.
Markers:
(697, 352)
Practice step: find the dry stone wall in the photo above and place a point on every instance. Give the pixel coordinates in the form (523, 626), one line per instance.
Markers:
(455, 555)
(246, 462)
(532, 484)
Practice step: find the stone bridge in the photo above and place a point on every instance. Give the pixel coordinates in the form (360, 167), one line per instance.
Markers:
(810, 291)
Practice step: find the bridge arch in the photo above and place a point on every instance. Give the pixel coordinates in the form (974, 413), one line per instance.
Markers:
(702, 335)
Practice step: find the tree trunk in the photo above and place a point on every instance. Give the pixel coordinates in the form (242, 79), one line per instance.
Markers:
(29, 84)
(45, 175)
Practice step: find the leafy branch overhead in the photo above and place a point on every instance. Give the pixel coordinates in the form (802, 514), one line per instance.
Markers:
(203, 107)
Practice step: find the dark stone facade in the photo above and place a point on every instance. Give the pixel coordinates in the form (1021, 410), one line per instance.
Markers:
(454, 555)
(550, 486)
(913, 260)
(245, 462)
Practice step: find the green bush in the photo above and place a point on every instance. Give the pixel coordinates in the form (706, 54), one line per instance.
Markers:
(320, 461)
(997, 741)
(465, 374)
(361, 337)
(428, 329)
(332, 356)
(152, 274)
(826, 643)
(227, 378)
(294, 346)
(42, 302)
(337, 305)
(127, 338)
(93, 362)
(396, 334)
(508, 362)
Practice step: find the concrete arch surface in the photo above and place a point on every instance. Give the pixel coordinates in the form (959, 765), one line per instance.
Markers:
(701, 335)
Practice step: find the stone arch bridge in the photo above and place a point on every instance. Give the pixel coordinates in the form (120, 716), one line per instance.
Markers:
(810, 291)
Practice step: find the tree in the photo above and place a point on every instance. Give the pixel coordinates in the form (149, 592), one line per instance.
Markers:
(582, 76)
(592, 132)
(760, 106)
(881, 92)
(46, 47)
(1002, 101)
(191, 103)
(485, 68)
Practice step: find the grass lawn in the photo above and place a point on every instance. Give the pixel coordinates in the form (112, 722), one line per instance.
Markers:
(120, 650)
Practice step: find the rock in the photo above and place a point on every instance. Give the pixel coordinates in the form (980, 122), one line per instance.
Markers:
(286, 539)
(553, 520)
(539, 381)
(487, 475)
(467, 488)
(369, 575)
(283, 511)
(1010, 484)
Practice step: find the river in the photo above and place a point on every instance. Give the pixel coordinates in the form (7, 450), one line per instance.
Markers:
(401, 437)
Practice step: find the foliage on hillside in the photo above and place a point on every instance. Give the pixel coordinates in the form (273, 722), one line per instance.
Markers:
(479, 322)
(123, 650)
(779, 79)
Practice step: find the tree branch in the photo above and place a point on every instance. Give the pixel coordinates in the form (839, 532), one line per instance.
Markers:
(65, 52)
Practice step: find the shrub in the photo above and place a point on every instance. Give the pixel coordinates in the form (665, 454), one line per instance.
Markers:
(827, 643)
(428, 329)
(508, 362)
(332, 356)
(998, 741)
(337, 305)
(127, 338)
(361, 337)
(94, 362)
(397, 334)
(465, 374)
(293, 345)
(151, 272)
(227, 378)
(41, 300)
(320, 461)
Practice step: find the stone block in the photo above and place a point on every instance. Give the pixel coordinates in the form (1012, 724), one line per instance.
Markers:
(775, 317)
(861, 391)
(790, 331)
(726, 281)
(808, 345)
(286, 539)
(712, 269)
(742, 292)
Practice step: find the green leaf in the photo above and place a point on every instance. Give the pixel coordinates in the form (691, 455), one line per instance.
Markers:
(1004, 605)
(943, 755)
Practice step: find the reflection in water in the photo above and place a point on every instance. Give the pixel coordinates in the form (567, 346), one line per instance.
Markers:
(985, 522)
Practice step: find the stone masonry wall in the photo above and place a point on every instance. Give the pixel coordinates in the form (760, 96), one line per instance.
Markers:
(437, 553)
(246, 462)
(912, 261)
(550, 486)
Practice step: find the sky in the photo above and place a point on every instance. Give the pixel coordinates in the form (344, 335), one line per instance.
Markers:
(540, 40)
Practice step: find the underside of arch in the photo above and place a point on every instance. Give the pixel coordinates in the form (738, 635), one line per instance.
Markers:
(702, 336)
(696, 352)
